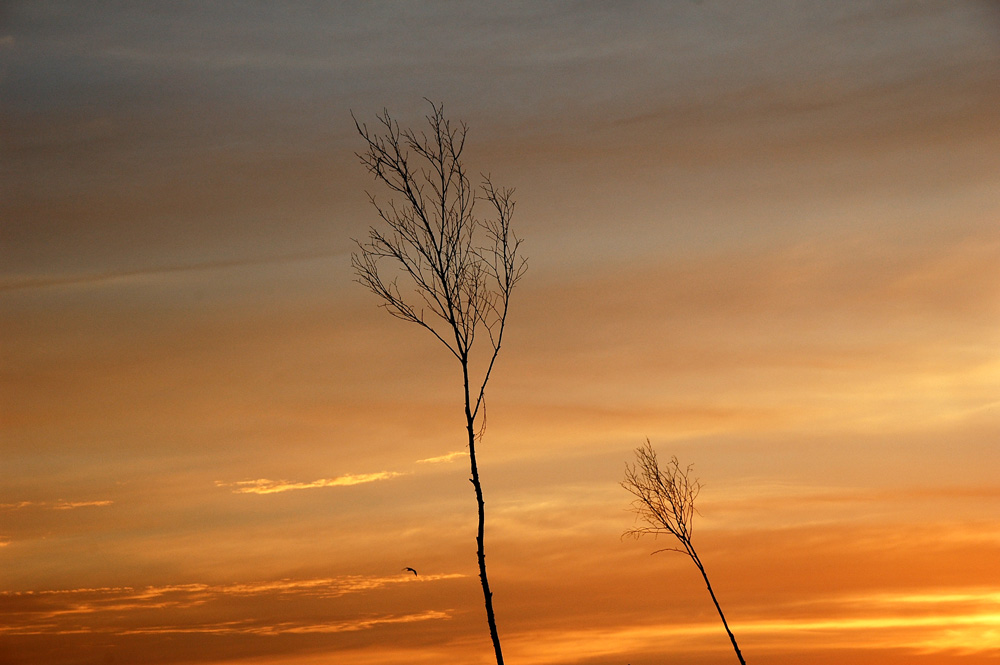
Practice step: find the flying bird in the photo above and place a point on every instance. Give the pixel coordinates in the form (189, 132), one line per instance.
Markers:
(411, 570)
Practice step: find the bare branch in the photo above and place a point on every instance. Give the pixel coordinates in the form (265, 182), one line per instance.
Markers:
(664, 505)
(664, 496)
(439, 266)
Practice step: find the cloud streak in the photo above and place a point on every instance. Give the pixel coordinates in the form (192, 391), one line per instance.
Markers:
(448, 457)
(920, 623)
(54, 505)
(110, 276)
(177, 608)
(253, 628)
(268, 486)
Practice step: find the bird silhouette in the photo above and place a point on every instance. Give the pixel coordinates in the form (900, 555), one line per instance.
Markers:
(411, 570)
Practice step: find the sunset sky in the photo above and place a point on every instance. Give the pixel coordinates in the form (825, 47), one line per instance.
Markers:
(766, 236)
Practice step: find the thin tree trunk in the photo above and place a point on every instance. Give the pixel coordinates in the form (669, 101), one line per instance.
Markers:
(704, 575)
(480, 550)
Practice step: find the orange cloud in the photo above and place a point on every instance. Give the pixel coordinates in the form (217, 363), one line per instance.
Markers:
(251, 628)
(53, 505)
(972, 633)
(448, 457)
(69, 611)
(267, 486)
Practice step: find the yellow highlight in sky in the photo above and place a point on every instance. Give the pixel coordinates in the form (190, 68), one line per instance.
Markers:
(267, 486)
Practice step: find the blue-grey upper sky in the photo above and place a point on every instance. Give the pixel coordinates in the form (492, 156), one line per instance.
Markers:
(169, 127)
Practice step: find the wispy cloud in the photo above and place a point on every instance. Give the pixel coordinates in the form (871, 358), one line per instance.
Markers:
(69, 505)
(268, 486)
(968, 633)
(54, 505)
(751, 496)
(448, 457)
(45, 281)
(154, 609)
(251, 627)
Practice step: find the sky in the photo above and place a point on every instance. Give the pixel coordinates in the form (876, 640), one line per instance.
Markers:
(764, 236)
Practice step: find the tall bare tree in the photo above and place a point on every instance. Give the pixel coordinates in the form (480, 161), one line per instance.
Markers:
(664, 503)
(436, 264)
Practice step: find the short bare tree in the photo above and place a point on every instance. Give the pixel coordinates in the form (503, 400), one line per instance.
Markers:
(457, 270)
(664, 503)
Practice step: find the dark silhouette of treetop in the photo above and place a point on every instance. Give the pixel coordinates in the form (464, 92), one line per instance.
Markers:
(461, 268)
(434, 263)
(664, 505)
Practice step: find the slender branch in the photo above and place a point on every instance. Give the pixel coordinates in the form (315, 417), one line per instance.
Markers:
(664, 505)
(457, 271)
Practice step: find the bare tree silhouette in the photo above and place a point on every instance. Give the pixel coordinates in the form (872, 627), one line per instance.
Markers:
(664, 501)
(458, 270)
